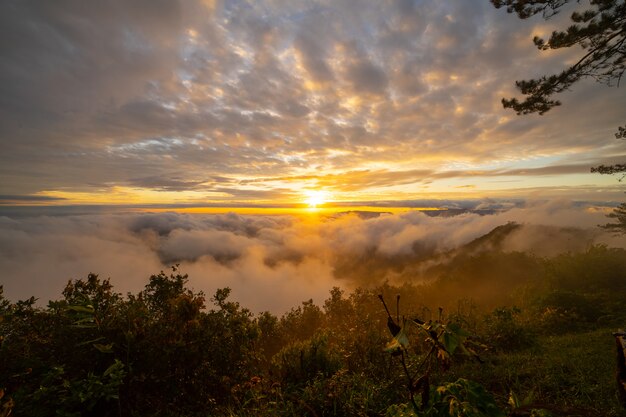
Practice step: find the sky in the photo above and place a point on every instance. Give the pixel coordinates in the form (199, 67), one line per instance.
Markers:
(244, 141)
(270, 103)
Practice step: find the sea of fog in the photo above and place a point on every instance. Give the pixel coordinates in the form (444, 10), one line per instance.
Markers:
(271, 262)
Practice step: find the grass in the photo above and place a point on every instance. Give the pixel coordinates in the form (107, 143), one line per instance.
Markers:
(571, 374)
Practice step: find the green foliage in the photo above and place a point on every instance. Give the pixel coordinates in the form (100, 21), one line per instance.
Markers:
(400, 410)
(301, 323)
(346, 394)
(576, 307)
(567, 374)
(490, 278)
(516, 404)
(442, 341)
(164, 351)
(270, 334)
(505, 330)
(598, 269)
(301, 361)
(216, 347)
(462, 398)
(64, 396)
(92, 296)
(162, 338)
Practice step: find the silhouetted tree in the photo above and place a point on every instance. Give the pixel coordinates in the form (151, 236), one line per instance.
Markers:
(619, 213)
(599, 30)
(616, 168)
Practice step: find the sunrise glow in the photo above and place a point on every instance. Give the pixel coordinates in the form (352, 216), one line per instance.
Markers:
(213, 207)
(315, 198)
(385, 105)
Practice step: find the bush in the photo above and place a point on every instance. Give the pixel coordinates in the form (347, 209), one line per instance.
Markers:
(462, 398)
(167, 351)
(300, 362)
(505, 331)
(565, 311)
(63, 396)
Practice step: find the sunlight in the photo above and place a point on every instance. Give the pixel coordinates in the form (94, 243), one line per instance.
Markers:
(315, 198)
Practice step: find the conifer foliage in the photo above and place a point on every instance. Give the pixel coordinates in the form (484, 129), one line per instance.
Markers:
(599, 30)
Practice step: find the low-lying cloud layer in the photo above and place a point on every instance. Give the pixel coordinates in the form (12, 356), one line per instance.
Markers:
(270, 262)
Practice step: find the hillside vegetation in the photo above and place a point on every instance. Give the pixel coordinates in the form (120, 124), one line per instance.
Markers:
(497, 333)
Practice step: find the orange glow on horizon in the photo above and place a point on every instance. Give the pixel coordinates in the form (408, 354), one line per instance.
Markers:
(277, 211)
(315, 198)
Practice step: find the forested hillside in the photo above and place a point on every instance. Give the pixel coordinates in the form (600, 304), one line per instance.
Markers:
(454, 346)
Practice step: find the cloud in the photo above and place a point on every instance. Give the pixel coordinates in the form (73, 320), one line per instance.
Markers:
(364, 75)
(170, 95)
(12, 199)
(271, 262)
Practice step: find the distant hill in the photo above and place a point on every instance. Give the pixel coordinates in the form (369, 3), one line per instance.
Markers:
(506, 251)
(451, 212)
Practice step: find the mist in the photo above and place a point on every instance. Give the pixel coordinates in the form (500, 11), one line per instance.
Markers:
(272, 262)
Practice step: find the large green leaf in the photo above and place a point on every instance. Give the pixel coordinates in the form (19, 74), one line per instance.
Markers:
(399, 341)
(108, 348)
(82, 309)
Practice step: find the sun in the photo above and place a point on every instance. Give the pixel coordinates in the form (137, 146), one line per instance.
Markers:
(315, 198)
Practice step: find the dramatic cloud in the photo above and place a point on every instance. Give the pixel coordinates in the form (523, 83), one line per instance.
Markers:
(197, 100)
(271, 262)
(114, 107)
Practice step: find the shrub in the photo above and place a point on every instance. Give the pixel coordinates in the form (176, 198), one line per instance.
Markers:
(505, 330)
(299, 362)
(462, 398)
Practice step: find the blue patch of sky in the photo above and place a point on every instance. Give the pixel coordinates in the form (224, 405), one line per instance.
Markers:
(523, 163)
(148, 145)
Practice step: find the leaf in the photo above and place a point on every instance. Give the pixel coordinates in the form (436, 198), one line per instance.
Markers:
(116, 366)
(85, 320)
(81, 309)
(451, 342)
(399, 341)
(456, 329)
(455, 338)
(89, 342)
(85, 323)
(433, 326)
(104, 348)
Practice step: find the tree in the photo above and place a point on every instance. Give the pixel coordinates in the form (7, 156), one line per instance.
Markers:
(619, 213)
(600, 31)
(617, 168)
